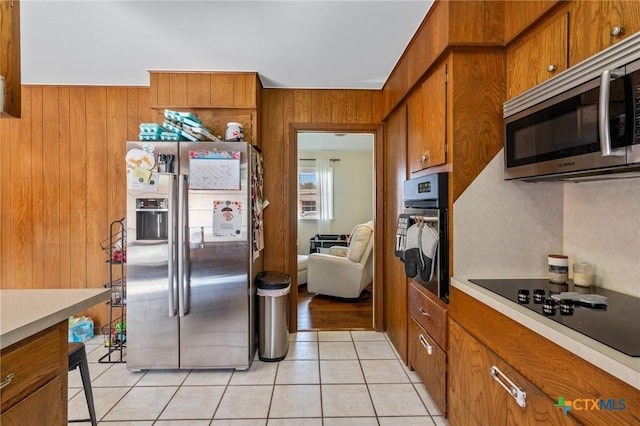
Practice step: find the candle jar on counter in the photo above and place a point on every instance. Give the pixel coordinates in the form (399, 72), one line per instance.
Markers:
(558, 268)
(583, 274)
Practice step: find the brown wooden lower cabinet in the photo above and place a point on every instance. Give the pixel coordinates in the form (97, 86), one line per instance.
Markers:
(39, 408)
(427, 342)
(34, 379)
(480, 335)
(477, 398)
(430, 363)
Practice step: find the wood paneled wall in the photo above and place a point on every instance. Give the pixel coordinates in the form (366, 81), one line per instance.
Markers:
(62, 182)
(62, 175)
(395, 279)
(204, 89)
(475, 124)
(283, 110)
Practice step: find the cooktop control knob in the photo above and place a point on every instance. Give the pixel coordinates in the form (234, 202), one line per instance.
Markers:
(523, 296)
(566, 307)
(549, 307)
(538, 295)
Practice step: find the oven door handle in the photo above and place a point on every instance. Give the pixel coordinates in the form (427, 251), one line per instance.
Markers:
(603, 113)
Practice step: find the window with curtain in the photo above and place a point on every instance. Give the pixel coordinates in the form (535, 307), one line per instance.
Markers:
(315, 193)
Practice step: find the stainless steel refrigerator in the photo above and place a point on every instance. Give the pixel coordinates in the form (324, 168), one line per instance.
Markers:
(194, 235)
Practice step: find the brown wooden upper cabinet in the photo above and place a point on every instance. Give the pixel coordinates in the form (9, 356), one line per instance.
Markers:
(426, 129)
(569, 35)
(454, 116)
(204, 89)
(216, 97)
(519, 14)
(600, 24)
(10, 57)
(539, 56)
(448, 23)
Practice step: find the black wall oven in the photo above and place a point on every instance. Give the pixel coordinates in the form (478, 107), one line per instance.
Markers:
(583, 123)
(422, 239)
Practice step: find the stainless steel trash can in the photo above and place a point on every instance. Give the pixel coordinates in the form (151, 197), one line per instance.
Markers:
(273, 314)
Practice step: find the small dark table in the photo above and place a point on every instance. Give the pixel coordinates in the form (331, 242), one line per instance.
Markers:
(323, 241)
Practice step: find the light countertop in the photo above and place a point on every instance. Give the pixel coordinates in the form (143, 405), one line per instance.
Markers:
(26, 312)
(619, 365)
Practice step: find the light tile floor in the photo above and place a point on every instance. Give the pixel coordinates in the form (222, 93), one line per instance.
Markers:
(329, 378)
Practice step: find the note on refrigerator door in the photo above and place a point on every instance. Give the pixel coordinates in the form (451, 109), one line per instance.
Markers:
(227, 219)
(143, 180)
(214, 170)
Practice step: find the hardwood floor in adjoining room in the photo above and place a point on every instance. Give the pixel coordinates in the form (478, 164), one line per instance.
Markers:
(318, 312)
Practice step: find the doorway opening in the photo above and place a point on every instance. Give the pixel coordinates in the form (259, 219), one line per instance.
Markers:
(335, 192)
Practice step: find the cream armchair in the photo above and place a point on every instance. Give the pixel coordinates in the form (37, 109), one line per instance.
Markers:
(345, 271)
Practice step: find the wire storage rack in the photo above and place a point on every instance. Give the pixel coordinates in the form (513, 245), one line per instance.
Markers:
(115, 331)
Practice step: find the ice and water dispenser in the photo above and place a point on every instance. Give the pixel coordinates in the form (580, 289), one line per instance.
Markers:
(152, 218)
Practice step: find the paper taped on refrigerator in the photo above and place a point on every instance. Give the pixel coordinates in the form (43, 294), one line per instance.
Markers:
(214, 174)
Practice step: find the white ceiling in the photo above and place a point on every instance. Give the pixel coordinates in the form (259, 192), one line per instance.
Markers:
(291, 44)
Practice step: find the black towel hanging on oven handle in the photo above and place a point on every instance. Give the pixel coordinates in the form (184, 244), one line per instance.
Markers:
(419, 256)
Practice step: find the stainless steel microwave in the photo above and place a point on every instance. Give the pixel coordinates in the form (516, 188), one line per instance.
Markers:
(583, 124)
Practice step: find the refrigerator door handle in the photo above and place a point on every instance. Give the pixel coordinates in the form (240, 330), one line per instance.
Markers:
(172, 277)
(182, 236)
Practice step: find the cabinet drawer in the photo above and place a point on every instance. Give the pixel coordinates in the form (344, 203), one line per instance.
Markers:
(429, 314)
(33, 362)
(40, 408)
(430, 362)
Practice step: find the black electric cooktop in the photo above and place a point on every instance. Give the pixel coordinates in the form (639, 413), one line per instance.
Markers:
(616, 324)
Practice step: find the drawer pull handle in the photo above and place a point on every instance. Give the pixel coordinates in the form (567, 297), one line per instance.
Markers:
(426, 345)
(424, 313)
(551, 68)
(6, 380)
(516, 392)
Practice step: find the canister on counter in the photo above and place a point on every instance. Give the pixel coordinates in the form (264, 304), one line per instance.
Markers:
(558, 268)
(583, 274)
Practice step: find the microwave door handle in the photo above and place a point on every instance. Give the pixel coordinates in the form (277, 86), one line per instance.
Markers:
(603, 112)
(171, 243)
